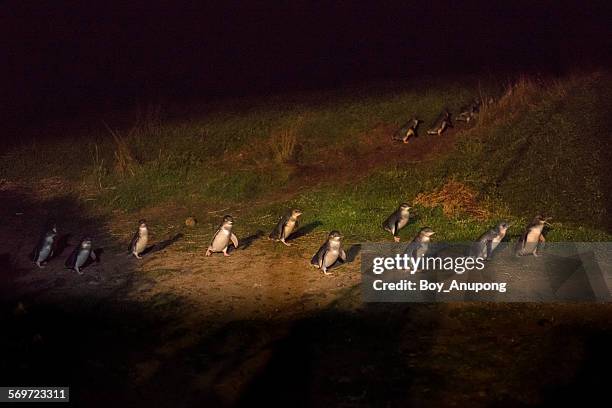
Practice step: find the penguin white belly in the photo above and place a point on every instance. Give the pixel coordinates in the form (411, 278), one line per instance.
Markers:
(331, 256)
(81, 258)
(495, 242)
(221, 240)
(44, 253)
(402, 223)
(533, 235)
(141, 244)
(288, 229)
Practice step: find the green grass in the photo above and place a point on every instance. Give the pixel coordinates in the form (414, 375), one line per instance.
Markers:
(541, 152)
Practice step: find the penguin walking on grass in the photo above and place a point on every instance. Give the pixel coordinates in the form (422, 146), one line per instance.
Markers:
(487, 242)
(330, 252)
(442, 124)
(222, 238)
(286, 225)
(419, 245)
(398, 220)
(531, 239)
(408, 131)
(80, 255)
(46, 245)
(140, 239)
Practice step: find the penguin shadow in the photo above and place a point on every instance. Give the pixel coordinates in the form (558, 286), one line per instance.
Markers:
(98, 252)
(352, 253)
(304, 230)
(160, 246)
(248, 241)
(61, 245)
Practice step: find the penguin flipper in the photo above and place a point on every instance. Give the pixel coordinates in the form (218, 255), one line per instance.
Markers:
(92, 255)
(317, 259)
(489, 248)
(388, 225)
(279, 231)
(133, 242)
(342, 255)
(234, 239)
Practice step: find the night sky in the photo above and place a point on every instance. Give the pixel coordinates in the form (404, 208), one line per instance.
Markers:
(64, 56)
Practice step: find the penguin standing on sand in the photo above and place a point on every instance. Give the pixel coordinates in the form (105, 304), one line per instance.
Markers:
(140, 239)
(80, 255)
(487, 242)
(222, 238)
(529, 242)
(408, 131)
(330, 252)
(419, 246)
(285, 226)
(442, 125)
(46, 244)
(398, 220)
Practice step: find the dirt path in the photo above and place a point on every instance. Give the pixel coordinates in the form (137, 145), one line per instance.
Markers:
(180, 329)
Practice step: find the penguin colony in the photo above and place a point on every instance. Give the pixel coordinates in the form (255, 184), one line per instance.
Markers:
(331, 252)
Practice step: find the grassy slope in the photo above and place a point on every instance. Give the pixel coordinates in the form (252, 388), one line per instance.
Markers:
(537, 150)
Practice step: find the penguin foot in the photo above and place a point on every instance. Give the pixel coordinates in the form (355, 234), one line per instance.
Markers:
(283, 241)
(208, 252)
(326, 273)
(39, 265)
(136, 255)
(78, 271)
(396, 239)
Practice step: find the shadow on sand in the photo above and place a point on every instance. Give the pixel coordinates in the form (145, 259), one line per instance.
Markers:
(304, 230)
(160, 246)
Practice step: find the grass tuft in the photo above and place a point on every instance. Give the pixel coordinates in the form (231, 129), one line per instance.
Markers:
(456, 199)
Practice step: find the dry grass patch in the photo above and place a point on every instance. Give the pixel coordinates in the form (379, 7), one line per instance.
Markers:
(456, 199)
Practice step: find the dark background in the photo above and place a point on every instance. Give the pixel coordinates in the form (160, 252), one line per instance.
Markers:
(62, 57)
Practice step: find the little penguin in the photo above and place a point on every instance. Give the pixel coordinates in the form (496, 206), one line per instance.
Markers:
(419, 246)
(487, 242)
(80, 255)
(222, 238)
(398, 220)
(529, 242)
(140, 239)
(285, 226)
(46, 244)
(442, 124)
(407, 131)
(330, 252)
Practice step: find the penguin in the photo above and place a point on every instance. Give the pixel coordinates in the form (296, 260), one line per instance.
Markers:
(46, 245)
(221, 240)
(398, 220)
(139, 240)
(532, 237)
(330, 252)
(487, 242)
(469, 113)
(407, 131)
(285, 226)
(80, 255)
(419, 246)
(442, 124)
